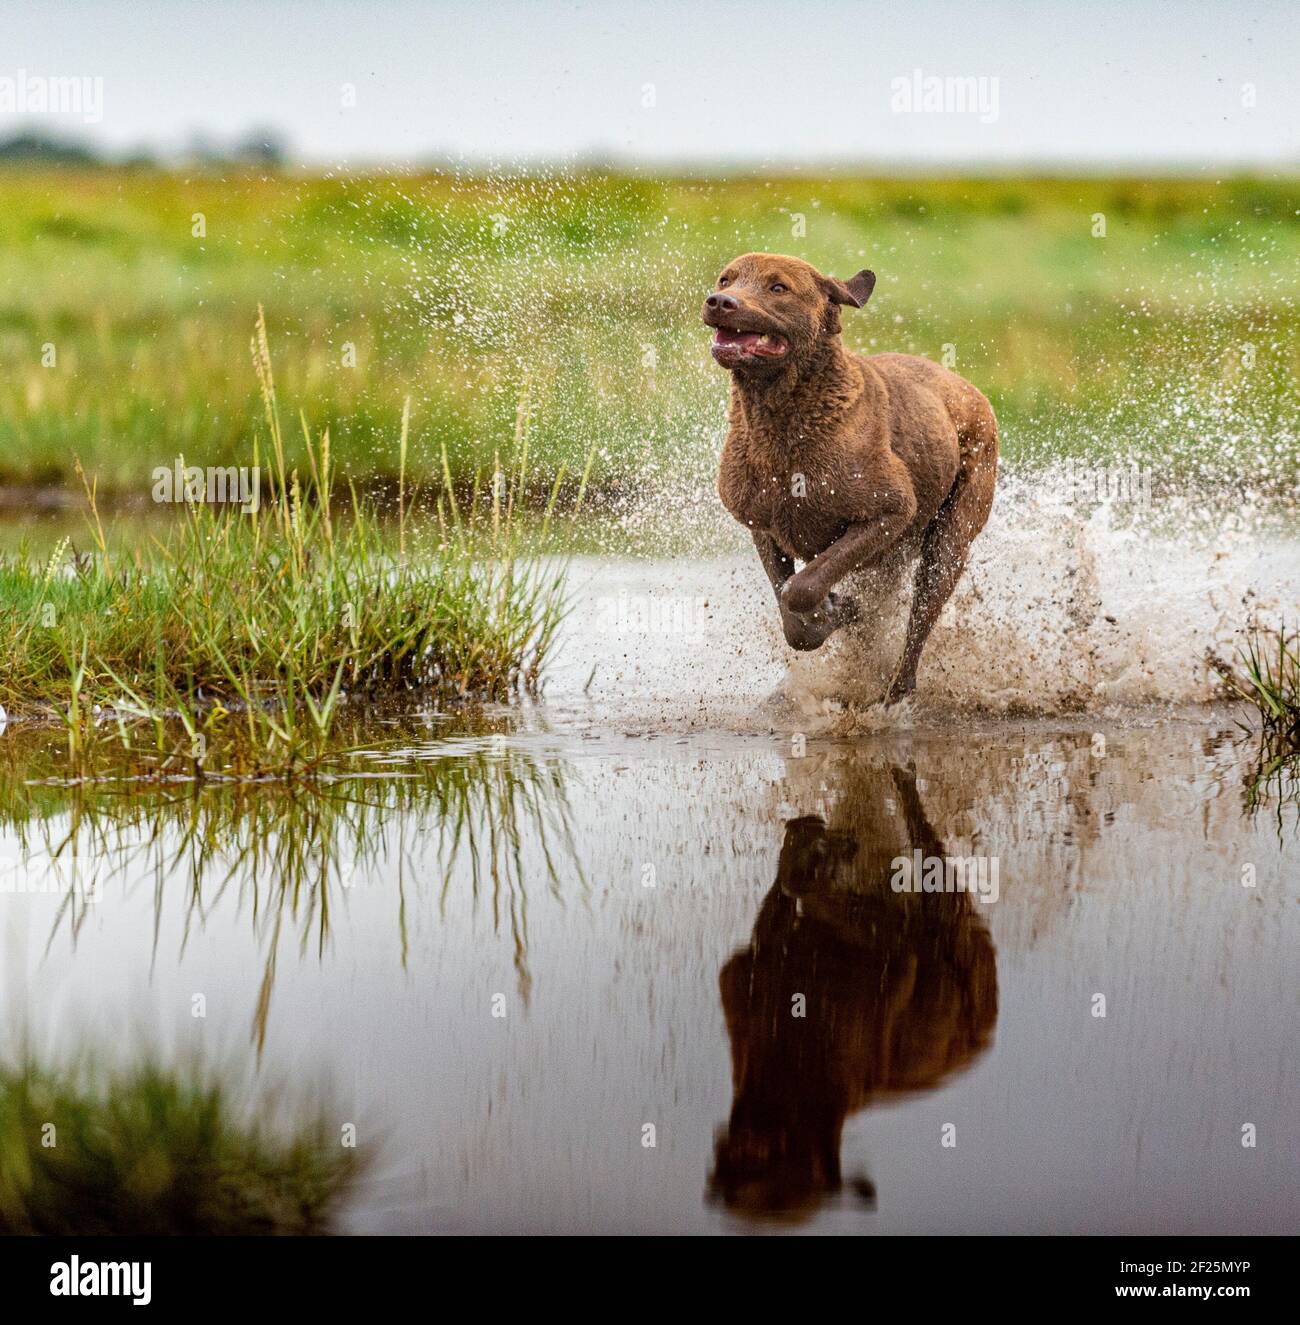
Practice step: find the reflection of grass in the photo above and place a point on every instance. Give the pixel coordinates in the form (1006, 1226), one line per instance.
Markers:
(149, 1151)
(251, 629)
(1267, 675)
(448, 284)
(286, 852)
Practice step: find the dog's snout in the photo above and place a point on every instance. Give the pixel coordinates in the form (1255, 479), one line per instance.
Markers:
(722, 303)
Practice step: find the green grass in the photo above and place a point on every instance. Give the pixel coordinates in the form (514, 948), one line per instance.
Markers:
(252, 630)
(582, 291)
(152, 1152)
(1266, 674)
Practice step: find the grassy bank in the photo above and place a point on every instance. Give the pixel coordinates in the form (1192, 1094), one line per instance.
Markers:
(251, 629)
(125, 299)
(154, 1152)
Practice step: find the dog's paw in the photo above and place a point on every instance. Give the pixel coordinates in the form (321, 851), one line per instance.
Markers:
(810, 630)
(806, 633)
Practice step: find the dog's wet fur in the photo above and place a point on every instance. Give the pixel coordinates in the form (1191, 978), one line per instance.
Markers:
(842, 461)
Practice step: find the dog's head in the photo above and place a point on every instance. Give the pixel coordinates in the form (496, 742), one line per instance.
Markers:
(770, 311)
(776, 1169)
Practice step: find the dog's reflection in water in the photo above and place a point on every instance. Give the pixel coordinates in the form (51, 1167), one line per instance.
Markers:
(897, 990)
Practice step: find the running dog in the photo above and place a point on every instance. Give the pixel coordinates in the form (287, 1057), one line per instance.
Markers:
(840, 460)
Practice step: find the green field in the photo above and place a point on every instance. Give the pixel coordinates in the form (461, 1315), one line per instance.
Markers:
(576, 298)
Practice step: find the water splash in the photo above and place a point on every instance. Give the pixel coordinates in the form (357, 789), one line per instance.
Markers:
(1067, 607)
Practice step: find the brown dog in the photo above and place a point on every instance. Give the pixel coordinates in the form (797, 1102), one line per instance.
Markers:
(839, 460)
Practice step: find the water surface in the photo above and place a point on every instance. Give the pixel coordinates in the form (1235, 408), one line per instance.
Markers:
(621, 944)
(631, 958)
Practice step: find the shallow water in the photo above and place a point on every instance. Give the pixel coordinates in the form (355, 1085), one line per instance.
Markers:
(632, 957)
(630, 921)
(1064, 608)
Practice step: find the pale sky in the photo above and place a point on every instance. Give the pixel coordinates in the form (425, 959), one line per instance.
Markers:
(1137, 82)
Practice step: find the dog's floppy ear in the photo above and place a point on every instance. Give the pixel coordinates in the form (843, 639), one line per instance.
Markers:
(855, 291)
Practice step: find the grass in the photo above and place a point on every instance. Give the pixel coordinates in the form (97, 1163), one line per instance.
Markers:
(252, 631)
(1266, 674)
(1175, 337)
(149, 1151)
(1270, 679)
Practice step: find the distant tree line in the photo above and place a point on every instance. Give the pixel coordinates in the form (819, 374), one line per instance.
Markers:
(261, 147)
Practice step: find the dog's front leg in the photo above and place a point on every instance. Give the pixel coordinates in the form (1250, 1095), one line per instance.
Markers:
(778, 565)
(802, 631)
(859, 545)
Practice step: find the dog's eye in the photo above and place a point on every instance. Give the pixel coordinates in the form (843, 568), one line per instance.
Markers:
(722, 280)
(778, 288)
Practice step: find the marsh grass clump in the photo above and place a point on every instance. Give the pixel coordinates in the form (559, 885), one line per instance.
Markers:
(149, 1151)
(1266, 674)
(250, 631)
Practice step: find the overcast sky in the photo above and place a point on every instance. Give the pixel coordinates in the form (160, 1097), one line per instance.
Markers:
(1137, 81)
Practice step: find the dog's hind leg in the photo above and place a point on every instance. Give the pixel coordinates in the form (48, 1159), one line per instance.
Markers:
(946, 542)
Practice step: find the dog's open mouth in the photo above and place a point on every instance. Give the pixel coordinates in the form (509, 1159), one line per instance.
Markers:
(732, 343)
